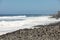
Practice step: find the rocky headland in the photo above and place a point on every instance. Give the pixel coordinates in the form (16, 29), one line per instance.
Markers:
(43, 32)
(56, 15)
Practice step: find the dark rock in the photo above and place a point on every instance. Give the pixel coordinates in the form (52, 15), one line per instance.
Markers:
(57, 15)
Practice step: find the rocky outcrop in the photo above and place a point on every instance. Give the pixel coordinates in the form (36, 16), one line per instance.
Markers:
(47, 32)
(57, 15)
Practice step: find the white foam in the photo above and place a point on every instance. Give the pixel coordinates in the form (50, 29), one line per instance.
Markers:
(29, 22)
(12, 18)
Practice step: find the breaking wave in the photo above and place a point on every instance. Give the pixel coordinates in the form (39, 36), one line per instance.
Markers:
(13, 23)
(12, 18)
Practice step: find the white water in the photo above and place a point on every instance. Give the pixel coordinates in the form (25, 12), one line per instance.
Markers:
(28, 22)
(9, 18)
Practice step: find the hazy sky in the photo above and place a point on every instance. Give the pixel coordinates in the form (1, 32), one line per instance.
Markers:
(18, 5)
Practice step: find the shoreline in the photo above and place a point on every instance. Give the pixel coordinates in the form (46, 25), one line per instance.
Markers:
(46, 32)
(39, 32)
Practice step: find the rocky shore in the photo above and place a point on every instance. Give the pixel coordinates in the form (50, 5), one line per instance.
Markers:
(43, 32)
(47, 32)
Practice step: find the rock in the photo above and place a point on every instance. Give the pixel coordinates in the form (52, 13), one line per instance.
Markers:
(57, 15)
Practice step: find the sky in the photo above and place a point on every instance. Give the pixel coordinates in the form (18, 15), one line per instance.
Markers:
(19, 5)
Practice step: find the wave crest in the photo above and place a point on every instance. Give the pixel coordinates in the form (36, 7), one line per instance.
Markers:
(12, 18)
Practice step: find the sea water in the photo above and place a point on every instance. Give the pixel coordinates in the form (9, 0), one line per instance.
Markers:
(13, 22)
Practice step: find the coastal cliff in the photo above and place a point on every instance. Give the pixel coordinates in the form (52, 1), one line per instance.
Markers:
(43, 32)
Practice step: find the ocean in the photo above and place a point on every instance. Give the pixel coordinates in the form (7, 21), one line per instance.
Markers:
(13, 22)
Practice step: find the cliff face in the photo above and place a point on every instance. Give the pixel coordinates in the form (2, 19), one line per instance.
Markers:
(47, 32)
